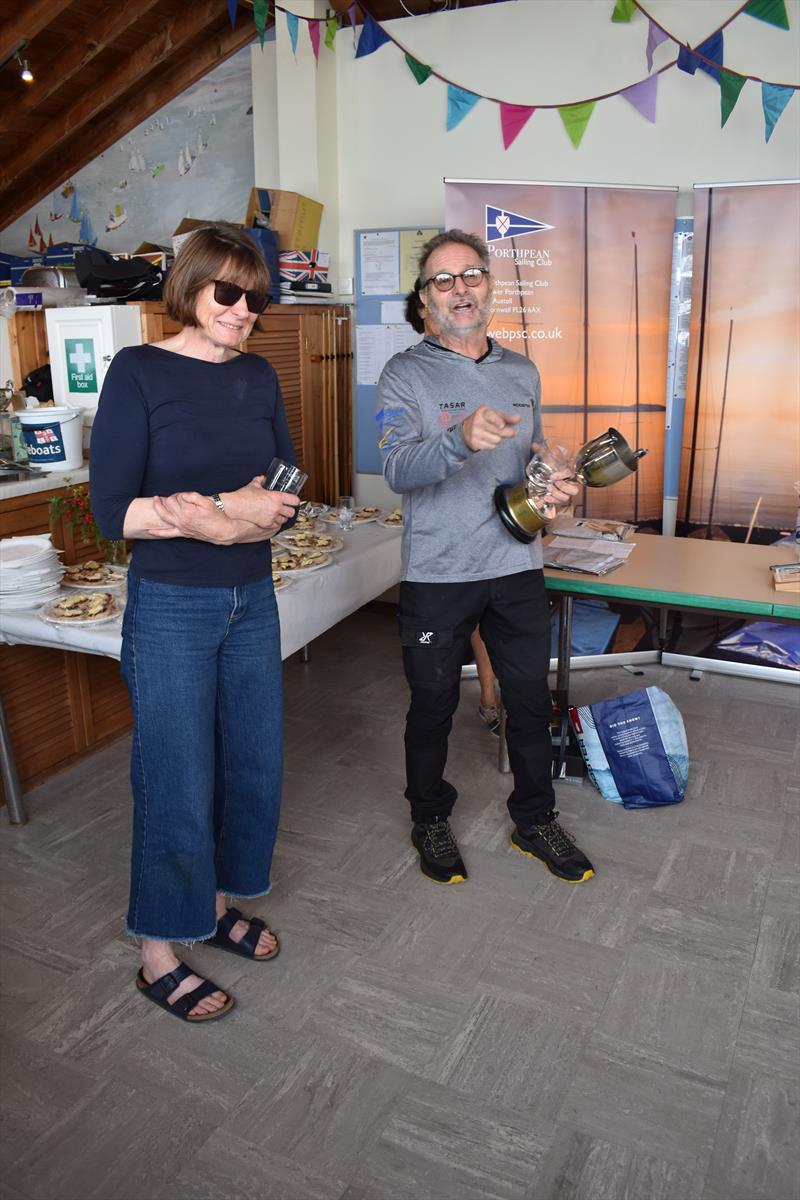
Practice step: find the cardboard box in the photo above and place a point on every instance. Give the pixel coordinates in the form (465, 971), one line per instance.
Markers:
(258, 208)
(184, 228)
(303, 266)
(294, 218)
(62, 253)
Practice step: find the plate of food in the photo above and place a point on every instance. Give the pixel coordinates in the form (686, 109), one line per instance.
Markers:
(392, 520)
(361, 516)
(300, 540)
(90, 575)
(280, 581)
(307, 524)
(300, 560)
(82, 608)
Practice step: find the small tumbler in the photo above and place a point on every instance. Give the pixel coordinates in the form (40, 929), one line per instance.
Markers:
(283, 477)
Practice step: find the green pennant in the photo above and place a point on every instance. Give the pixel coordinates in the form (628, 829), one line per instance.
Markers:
(418, 69)
(331, 26)
(261, 16)
(730, 86)
(623, 11)
(771, 11)
(576, 118)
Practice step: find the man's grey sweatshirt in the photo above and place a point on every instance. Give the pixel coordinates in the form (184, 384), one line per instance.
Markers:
(451, 530)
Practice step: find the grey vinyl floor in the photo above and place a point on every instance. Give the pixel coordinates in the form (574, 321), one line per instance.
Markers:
(514, 1038)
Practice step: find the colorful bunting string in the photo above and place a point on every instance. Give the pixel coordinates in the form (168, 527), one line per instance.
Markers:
(642, 94)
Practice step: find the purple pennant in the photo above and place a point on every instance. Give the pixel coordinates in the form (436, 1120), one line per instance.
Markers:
(351, 16)
(643, 97)
(372, 36)
(655, 37)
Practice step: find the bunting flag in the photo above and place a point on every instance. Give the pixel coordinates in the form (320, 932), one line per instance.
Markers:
(291, 24)
(331, 26)
(313, 33)
(351, 16)
(232, 6)
(513, 117)
(459, 103)
(623, 10)
(261, 16)
(372, 37)
(771, 11)
(418, 69)
(730, 86)
(712, 48)
(774, 99)
(576, 118)
(655, 37)
(643, 97)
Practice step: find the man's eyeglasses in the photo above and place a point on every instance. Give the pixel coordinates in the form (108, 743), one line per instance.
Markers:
(228, 294)
(445, 282)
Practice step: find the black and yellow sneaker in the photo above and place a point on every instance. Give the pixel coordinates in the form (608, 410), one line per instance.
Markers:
(439, 857)
(552, 845)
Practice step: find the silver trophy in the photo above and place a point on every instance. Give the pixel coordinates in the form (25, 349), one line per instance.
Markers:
(604, 460)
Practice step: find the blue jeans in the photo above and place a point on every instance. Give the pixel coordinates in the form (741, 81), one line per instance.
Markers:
(203, 668)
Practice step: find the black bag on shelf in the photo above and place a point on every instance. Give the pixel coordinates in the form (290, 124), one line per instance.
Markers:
(111, 278)
(39, 383)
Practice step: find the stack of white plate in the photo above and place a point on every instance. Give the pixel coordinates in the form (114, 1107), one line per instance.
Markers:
(30, 572)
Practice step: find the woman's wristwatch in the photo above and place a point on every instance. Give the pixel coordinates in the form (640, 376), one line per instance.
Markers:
(218, 502)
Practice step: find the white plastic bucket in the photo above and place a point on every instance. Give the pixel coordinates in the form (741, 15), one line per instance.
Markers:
(53, 437)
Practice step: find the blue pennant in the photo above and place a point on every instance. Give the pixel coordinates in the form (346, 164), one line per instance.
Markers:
(372, 36)
(713, 49)
(291, 21)
(459, 103)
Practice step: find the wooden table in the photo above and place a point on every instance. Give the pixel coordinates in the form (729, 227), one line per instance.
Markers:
(679, 573)
(367, 566)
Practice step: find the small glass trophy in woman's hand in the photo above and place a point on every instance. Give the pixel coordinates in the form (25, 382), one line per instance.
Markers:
(284, 477)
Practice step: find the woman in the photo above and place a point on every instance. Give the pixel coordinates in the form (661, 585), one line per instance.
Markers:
(416, 313)
(184, 430)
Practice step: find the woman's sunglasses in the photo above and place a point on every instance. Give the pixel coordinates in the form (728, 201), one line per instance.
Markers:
(228, 294)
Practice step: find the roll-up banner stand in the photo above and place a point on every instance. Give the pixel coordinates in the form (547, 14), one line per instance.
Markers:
(740, 463)
(582, 287)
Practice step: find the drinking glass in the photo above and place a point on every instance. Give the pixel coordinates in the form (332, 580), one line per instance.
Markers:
(283, 477)
(344, 509)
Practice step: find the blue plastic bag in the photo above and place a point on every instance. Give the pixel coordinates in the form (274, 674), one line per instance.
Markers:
(634, 748)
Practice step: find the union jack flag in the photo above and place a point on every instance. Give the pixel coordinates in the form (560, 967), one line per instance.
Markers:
(303, 266)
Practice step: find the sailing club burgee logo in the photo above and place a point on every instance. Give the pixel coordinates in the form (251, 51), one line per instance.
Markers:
(502, 224)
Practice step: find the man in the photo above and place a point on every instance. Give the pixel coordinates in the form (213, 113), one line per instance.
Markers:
(457, 415)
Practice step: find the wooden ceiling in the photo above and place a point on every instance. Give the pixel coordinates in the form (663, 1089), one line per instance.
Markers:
(100, 68)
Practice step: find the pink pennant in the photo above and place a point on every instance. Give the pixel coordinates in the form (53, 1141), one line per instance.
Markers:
(655, 37)
(513, 117)
(643, 97)
(313, 33)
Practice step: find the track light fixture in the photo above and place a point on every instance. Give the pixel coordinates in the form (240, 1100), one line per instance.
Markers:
(25, 73)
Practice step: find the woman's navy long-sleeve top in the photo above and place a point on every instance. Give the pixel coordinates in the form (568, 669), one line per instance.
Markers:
(169, 423)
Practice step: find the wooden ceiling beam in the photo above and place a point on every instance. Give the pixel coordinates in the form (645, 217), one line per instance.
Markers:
(44, 175)
(81, 48)
(169, 38)
(30, 19)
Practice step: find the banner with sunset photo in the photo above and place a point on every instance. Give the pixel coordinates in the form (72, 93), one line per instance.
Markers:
(741, 435)
(582, 287)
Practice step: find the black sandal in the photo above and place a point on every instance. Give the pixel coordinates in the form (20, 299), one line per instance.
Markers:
(246, 948)
(166, 985)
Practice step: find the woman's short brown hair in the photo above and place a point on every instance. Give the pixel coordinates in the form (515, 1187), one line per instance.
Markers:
(217, 251)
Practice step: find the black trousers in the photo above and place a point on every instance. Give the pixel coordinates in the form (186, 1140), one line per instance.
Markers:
(436, 620)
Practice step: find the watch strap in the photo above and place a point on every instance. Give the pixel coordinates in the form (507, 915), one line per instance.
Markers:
(218, 502)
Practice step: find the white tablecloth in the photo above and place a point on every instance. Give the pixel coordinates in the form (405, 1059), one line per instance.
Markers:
(368, 565)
